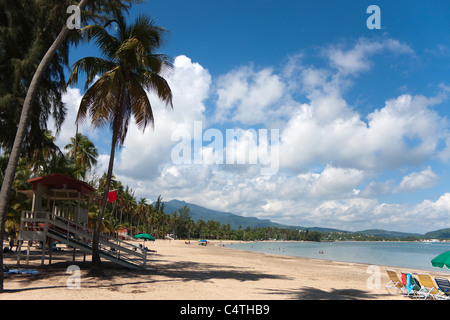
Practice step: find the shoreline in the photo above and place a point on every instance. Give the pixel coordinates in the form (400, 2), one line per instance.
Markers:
(177, 270)
(445, 273)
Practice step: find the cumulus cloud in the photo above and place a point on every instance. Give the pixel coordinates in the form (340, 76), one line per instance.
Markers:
(357, 58)
(331, 157)
(405, 131)
(335, 182)
(245, 95)
(71, 99)
(143, 153)
(418, 180)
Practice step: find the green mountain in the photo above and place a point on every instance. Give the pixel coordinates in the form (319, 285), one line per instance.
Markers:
(389, 234)
(236, 221)
(438, 234)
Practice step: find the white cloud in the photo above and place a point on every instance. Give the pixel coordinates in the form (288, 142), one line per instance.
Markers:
(71, 99)
(405, 131)
(336, 182)
(418, 180)
(356, 59)
(246, 95)
(328, 150)
(144, 153)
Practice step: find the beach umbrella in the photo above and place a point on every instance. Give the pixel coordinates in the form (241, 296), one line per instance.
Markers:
(144, 236)
(442, 260)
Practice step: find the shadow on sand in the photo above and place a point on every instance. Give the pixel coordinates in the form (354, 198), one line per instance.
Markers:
(309, 293)
(179, 271)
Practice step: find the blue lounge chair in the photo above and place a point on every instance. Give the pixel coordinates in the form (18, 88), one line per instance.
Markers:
(444, 287)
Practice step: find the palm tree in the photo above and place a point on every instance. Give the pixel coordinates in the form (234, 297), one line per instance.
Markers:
(128, 67)
(96, 11)
(83, 153)
(22, 127)
(141, 212)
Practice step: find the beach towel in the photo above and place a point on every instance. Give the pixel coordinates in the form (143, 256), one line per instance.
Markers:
(411, 283)
(24, 271)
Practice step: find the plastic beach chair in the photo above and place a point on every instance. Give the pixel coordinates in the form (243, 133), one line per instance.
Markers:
(394, 282)
(444, 287)
(428, 287)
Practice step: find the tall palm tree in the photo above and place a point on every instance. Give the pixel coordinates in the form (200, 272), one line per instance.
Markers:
(83, 153)
(129, 66)
(141, 213)
(96, 11)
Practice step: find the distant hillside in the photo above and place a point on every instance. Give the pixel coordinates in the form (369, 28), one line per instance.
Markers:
(389, 234)
(235, 221)
(438, 234)
(323, 230)
(201, 213)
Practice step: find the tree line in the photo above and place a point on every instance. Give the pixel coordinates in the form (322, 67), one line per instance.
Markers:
(139, 216)
(35, 41)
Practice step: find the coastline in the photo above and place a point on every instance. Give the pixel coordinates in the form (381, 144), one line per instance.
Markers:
(420, 263)
(177, 270)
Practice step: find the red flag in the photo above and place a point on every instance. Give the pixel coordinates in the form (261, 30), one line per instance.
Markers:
(112, 196)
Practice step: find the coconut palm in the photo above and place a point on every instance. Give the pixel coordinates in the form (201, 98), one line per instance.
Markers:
(129, 67)
(83, 153)
(53, 21)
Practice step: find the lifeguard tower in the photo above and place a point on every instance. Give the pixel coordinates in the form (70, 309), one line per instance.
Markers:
(60, 212)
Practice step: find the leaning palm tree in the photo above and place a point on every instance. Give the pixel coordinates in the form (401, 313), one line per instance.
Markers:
(128, 68)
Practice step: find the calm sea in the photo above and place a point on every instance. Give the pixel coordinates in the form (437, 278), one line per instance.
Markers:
(412, 255)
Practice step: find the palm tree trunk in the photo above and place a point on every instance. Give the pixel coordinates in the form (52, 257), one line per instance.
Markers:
(96, 269)
(20, 135)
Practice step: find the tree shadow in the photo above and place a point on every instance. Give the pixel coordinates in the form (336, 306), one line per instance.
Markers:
(309, 293)
(193, 271)
(117, 276)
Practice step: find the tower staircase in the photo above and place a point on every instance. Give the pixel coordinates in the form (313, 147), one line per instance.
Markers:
(45, 226)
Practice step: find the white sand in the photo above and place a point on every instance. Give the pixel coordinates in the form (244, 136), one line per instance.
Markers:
(177, 270)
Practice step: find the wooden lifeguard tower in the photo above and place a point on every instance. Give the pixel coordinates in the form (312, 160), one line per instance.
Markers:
(60, 212)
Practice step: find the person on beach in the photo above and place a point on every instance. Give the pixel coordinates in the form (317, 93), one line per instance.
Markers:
(11, 243)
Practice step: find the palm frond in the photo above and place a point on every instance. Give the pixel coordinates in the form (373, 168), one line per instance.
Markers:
(154, 82)
(107, 43)
(129, 67)
(140, 104)
(92, 67)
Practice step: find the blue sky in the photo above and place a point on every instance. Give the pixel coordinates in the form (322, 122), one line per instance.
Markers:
(362, 115)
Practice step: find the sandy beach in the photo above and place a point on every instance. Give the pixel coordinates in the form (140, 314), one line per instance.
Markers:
(179, 271)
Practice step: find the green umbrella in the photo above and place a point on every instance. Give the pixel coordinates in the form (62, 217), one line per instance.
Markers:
(442, 260)
(144, 236)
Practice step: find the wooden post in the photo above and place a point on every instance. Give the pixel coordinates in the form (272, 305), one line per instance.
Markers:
(44, 242)
(19, 241)
(50, 249)
(19, 248)
(28, 251)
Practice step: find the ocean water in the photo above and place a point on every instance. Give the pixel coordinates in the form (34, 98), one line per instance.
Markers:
(411, 255)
